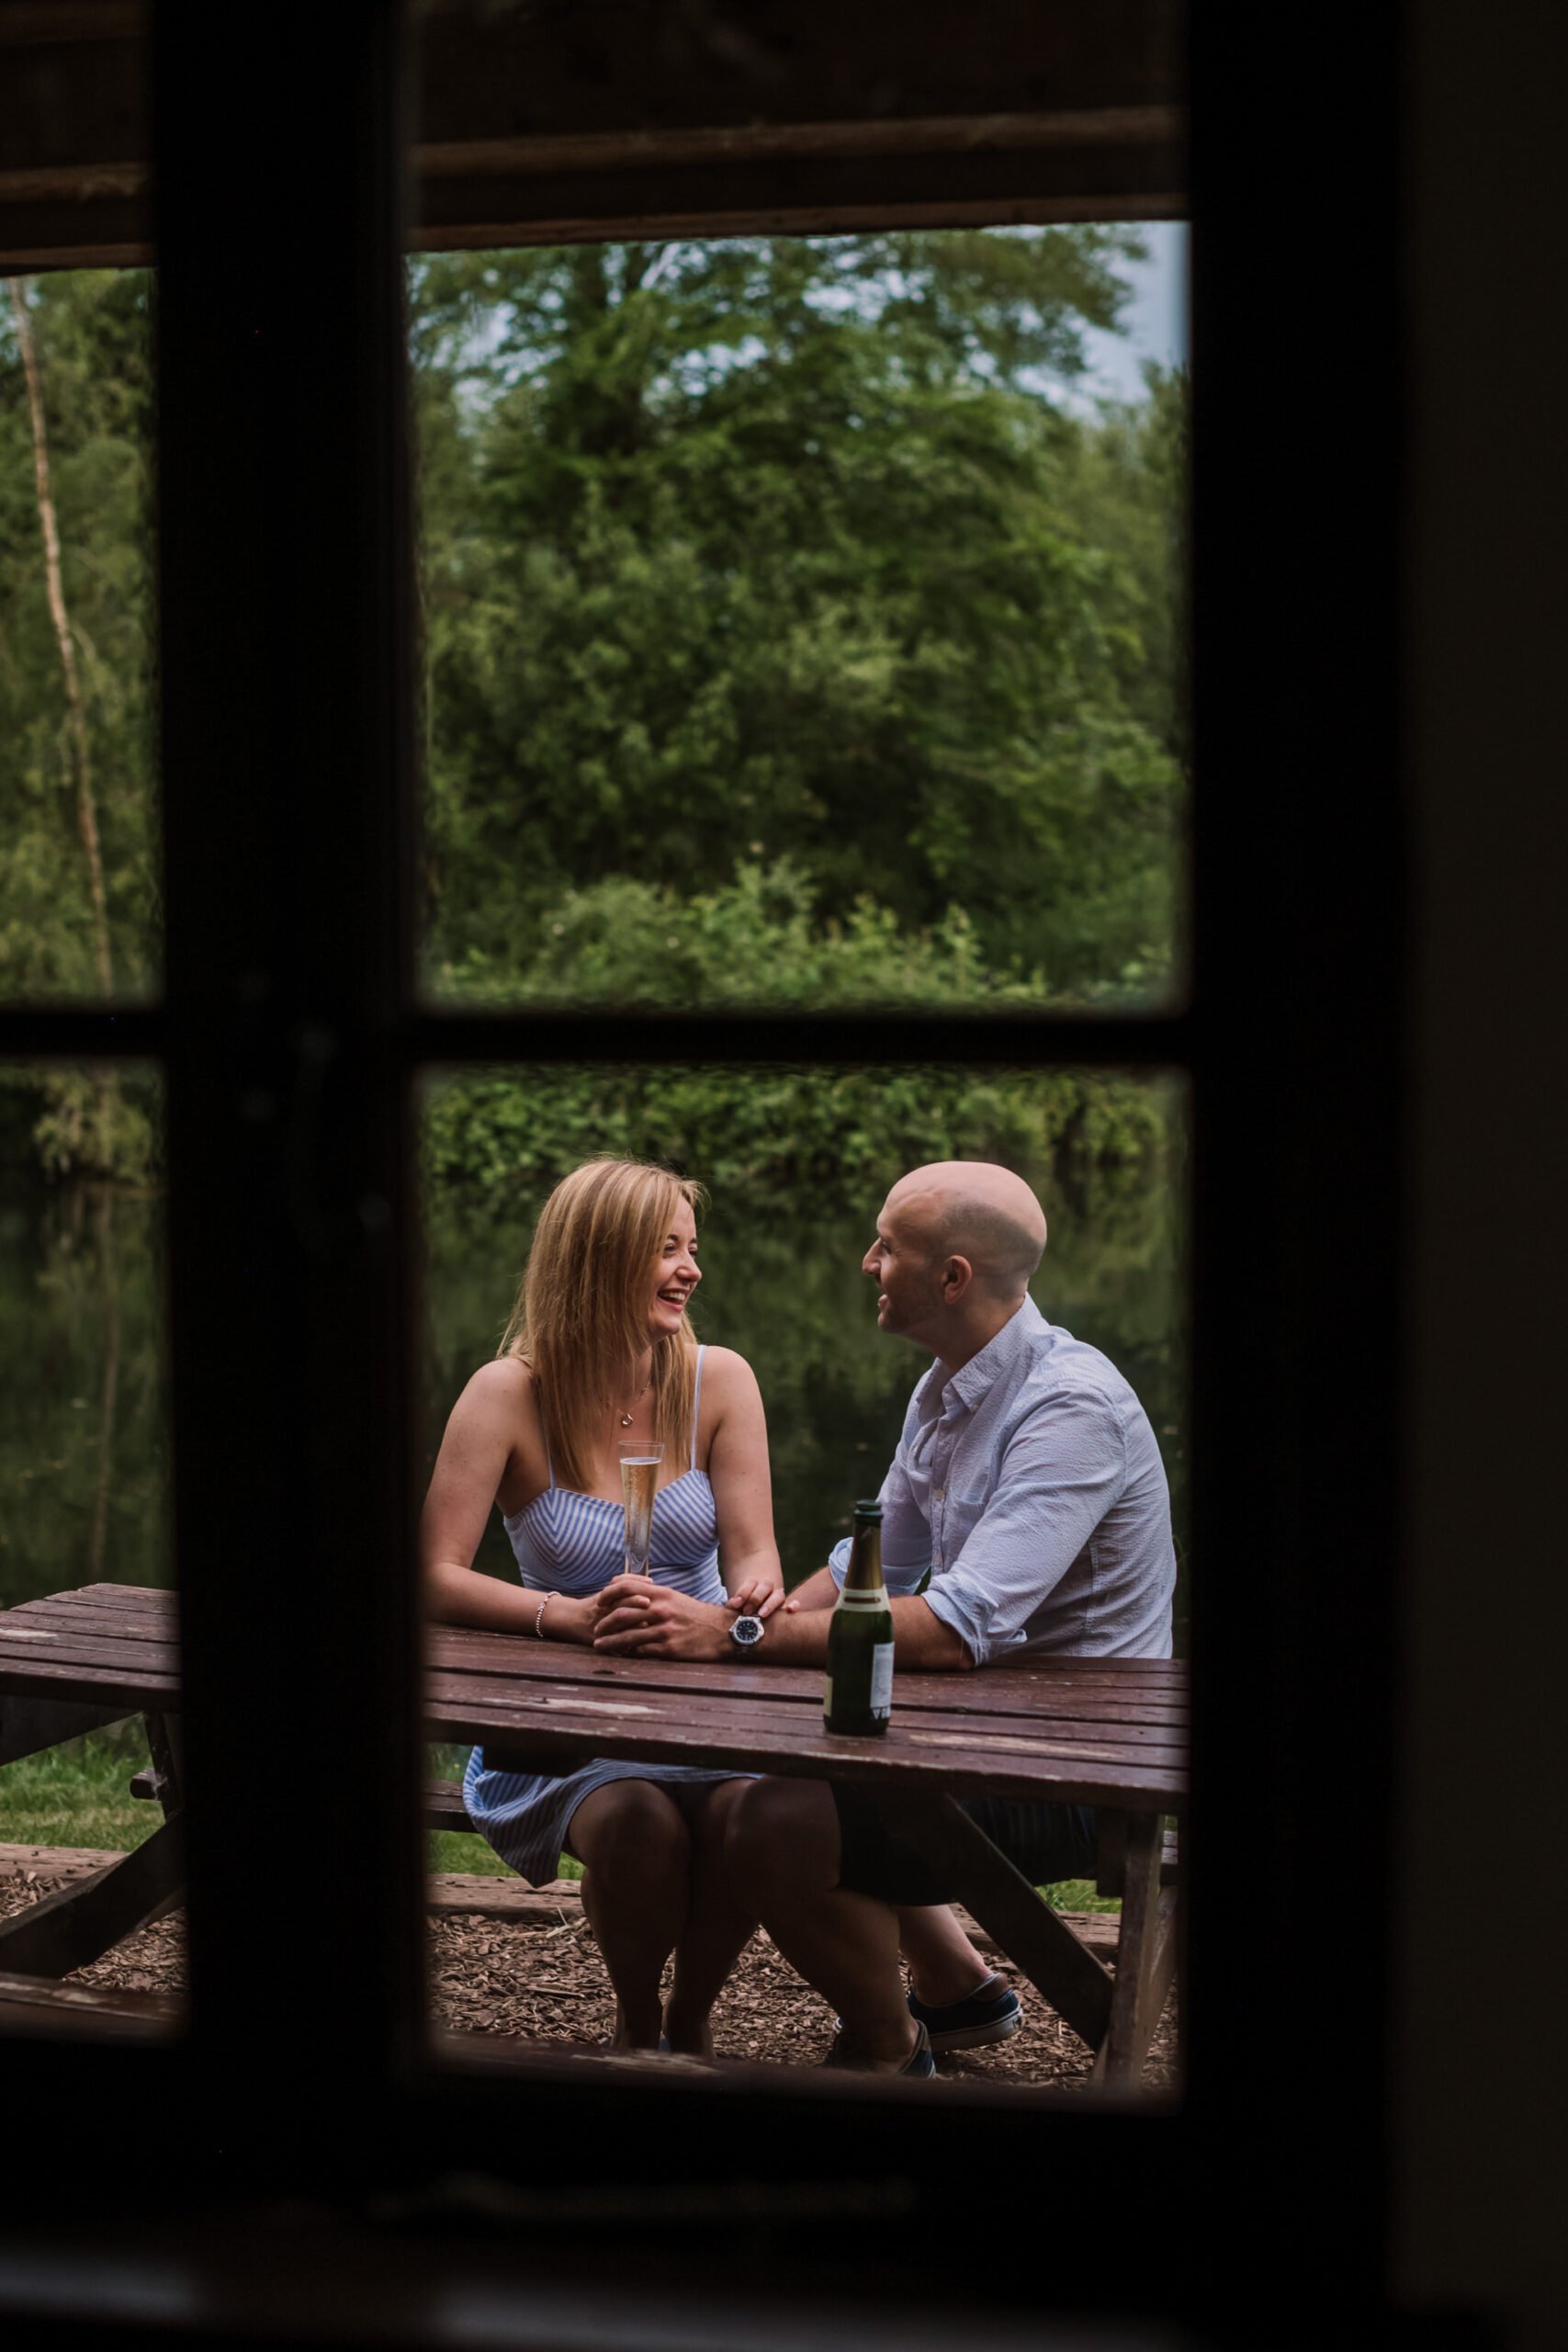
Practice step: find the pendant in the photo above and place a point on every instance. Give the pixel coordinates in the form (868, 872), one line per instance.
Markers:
(627, 1419)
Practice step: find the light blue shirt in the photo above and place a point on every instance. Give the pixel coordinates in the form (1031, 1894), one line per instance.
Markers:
(1029, 1483)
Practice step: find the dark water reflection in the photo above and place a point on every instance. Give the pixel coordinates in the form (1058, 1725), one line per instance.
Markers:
(83, 1432)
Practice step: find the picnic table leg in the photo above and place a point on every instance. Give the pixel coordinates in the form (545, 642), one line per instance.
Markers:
(163, 1747)
(1145, 1952)
(81, 1922)
(1062, 1969)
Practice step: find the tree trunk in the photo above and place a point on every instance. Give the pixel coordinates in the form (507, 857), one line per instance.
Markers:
(75, 710)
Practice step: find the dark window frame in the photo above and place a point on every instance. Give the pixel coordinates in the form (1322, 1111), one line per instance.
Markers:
(292, 1041)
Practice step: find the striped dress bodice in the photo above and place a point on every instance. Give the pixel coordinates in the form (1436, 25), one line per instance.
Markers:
(564, 1542)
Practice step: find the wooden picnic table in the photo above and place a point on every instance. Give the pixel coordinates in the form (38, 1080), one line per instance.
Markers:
(1109, 1732)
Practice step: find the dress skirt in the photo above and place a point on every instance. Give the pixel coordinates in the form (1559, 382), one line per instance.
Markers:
(526, 1815)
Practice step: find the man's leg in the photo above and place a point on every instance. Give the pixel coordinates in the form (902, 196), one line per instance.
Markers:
(943, 1962)
(783, 1853)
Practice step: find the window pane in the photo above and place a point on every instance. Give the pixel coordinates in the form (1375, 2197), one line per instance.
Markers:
(84, 1558)
(79, 890)
(796, 1163)
(802, 618)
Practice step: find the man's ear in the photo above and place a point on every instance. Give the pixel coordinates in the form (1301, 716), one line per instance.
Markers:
(957, 1274)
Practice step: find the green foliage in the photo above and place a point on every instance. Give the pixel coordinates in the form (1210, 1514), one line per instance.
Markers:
(93, 1124)
(841, 1134)
(776, 554)
(91, 329)
(83, 1410)
(785, 640)
(626, 941)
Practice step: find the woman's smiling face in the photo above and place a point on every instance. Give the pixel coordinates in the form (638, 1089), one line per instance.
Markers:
(675, 1275)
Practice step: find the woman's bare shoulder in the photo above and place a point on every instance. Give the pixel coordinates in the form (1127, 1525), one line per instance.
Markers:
(504, 1385)
(727, 1374)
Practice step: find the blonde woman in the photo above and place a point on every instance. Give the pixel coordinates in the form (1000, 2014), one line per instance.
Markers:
(599, 1351)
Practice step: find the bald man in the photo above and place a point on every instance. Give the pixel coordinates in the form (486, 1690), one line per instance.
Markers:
(1025, 1514)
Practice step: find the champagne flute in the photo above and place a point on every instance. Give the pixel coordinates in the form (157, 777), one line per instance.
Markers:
(639, 1477)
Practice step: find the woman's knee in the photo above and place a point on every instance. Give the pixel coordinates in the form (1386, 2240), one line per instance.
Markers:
(630, 1829)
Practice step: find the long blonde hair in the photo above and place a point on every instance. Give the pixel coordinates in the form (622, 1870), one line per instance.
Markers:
(580, 1315)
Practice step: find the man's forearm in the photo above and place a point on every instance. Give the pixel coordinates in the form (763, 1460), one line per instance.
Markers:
(818, 1591)
(921, 1640)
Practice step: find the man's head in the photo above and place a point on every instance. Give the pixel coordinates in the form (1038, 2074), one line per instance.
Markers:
(955, 1246)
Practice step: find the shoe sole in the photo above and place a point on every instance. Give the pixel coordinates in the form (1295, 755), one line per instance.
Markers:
(978, 2037)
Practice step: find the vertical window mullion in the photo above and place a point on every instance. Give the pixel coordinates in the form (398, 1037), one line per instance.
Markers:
(287, 698)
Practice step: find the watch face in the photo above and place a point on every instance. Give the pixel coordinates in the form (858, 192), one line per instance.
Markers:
(747, 1630)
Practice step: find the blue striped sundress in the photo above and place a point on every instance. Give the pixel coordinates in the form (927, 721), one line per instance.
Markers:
(568, 1543)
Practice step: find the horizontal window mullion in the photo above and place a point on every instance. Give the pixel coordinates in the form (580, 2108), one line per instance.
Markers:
(83, 1033)
(898, 1039)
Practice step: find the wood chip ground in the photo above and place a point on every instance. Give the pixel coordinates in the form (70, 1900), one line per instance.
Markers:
(538, 1976)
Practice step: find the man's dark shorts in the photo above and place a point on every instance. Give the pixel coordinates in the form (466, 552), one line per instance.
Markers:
(1046, 1842)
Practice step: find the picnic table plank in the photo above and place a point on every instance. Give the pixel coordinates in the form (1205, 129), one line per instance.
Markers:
(155, 1597)
(777, 1740)
(76, 1647)
(146, 1676)
(126, 1625)
(1155, 1739)
(122, 1691)
(994, 1692)
(998, 1692)
(1004, 1689)
(680, 1716)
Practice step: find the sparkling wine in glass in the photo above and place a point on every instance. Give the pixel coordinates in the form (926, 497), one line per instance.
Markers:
(639, 1477)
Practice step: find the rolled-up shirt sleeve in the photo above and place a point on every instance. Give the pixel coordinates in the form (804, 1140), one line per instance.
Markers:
(1061, 1471)
(906, 1537)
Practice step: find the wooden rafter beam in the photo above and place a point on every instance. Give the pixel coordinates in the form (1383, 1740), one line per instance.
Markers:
(545, 121)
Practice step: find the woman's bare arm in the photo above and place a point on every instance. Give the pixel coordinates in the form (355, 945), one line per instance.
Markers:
(475, 1453)
(742, 1487)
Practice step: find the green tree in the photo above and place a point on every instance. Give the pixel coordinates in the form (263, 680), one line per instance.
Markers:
(777, 549)
(90, 330)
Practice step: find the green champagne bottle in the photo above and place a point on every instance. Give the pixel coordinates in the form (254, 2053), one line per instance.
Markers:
(857, 1694)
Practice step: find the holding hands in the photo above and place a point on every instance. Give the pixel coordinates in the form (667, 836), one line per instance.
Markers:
(636, 1617)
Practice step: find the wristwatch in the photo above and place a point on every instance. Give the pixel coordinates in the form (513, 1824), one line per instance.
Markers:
(746, 1633)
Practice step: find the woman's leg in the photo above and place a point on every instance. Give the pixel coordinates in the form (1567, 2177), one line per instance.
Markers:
(718, 1925)
(636, 1852)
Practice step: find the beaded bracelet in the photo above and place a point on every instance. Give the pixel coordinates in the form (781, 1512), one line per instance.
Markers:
(539, 1620)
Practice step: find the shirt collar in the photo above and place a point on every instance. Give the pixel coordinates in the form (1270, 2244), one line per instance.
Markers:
(994, 1361)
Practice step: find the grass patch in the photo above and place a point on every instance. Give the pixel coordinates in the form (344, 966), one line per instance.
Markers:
(1078, 1895)
(79, 1794)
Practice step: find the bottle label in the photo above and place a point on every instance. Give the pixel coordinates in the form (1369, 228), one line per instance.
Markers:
(881, 1679)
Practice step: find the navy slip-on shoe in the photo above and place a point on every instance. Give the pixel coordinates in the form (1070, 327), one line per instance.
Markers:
(919, 2061)
(990, 2013)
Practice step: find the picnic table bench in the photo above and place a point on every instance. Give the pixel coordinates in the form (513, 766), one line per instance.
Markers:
(1109, 1732)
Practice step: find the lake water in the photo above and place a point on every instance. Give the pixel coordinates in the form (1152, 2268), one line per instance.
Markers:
(84, 1428)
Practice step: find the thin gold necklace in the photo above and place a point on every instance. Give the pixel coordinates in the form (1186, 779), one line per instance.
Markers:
(627, 1419)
